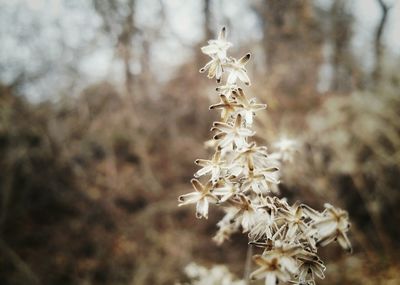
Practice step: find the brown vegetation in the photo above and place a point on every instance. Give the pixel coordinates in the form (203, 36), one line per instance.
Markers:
(89, 185)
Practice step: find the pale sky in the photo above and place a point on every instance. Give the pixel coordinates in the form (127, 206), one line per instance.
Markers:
(79, 25)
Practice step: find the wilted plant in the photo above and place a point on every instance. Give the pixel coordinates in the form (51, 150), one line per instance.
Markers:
(243, 179)
(216, 275)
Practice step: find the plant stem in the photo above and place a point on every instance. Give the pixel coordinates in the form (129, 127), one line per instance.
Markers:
(247, 265)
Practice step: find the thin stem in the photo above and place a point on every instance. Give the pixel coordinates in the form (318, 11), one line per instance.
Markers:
(247, 266)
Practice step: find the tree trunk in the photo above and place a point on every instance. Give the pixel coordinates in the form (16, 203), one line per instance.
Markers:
(378, 46)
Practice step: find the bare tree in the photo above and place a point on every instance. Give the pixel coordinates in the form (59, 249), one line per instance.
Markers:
(292, 44)
(340, 35)
(119, 23)
(207, 20)
(378, 46)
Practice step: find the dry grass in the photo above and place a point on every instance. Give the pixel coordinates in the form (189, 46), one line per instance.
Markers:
(89, 188)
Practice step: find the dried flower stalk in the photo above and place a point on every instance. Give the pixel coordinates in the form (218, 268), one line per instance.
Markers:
(243, 179)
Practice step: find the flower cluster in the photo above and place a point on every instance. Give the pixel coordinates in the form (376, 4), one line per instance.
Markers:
(216, 275)
(243, 179)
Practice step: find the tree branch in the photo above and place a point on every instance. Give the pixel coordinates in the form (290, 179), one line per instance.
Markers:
(378, 40)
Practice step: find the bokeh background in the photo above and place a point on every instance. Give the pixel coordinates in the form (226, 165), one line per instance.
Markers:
(102, 113)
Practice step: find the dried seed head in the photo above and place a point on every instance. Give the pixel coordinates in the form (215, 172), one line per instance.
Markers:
(244, 178)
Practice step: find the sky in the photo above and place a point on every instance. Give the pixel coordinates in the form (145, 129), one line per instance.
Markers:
(74, 24)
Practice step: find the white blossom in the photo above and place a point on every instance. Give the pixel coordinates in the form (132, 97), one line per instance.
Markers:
(237, 70)
(215, 68)
(214, 167)
(333, 225)
(232, 135)
(243, 179)
(248, 106)
(218, 47)
(202, 197)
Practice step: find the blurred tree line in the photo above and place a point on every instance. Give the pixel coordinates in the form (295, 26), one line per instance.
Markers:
(92, 165)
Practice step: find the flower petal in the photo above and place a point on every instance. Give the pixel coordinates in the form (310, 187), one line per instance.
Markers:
(344, 242)
(189, 198)
(244, 59)
(222, 34)
(270, 279)
(202, 208)
(243, 77)
(203, 171)
(210, 49)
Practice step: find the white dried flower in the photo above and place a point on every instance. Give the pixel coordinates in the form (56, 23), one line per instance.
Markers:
(214, 167)
(227, 107)
(226, 89)
(246, 213)
(214, 67)
(232, 136)
(333, 225)
(226, 189)
(227, 226)
(202, 197)
(243, 177)
(218, 47)
(252, 156)
(237, 70)
(264, 227)
(273, 269)
(249, 106)
(258, 180)
(216, 275)
(309, 268)
(286, 149)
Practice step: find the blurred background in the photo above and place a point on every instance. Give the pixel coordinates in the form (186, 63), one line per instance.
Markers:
(102, 113)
